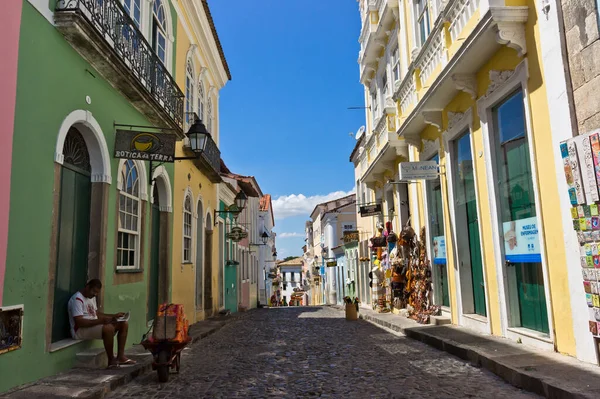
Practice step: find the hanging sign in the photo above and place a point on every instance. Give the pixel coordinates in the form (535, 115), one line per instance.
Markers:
(370, 210)
(521, 240)
(130, 144)
(439, 250)
(236, 234)
(424, 170)
(332, 263)
(350, 236)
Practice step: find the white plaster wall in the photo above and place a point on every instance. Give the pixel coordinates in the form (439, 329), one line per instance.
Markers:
(560, 120)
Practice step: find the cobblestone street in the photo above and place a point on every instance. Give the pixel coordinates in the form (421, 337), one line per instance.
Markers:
(314, 352)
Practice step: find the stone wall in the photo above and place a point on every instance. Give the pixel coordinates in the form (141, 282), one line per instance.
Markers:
(583, 48)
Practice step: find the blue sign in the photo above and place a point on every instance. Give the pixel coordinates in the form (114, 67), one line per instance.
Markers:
(521, 241)
(439, 250)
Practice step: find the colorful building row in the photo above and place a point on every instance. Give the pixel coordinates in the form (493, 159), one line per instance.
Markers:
(467, 105)
(115, 173)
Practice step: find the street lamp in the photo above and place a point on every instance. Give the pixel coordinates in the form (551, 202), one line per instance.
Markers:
(264, 237)
(198, 136)
(236, 208)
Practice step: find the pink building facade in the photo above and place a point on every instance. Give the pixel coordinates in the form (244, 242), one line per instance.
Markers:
(10, 22)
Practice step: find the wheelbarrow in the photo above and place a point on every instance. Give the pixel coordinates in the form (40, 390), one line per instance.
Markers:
(167, 356)
(169, 337)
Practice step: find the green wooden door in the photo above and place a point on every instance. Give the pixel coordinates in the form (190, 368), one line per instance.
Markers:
(231, 288)
(517, 202)
(532, 298)
(72, 244)
(475, 252)
(466, 201)
(154, 262)
(442, 272)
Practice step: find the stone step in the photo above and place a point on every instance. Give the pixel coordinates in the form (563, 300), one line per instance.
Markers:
(439, 320)
(92, 358)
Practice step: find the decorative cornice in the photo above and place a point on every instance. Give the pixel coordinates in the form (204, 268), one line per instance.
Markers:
(510, 25)
(454, 118)
(497, 78)
(413, 140)
(466, 83)
(414, 54)
(428, 146)
(433, 118)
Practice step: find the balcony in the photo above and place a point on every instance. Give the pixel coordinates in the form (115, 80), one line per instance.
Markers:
(209, 161)
(104, 34)
(449, 65)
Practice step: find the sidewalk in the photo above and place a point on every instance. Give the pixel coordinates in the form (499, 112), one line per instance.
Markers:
(546, 373)
(95, 383)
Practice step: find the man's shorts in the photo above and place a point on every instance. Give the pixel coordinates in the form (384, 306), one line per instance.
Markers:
(87, 333)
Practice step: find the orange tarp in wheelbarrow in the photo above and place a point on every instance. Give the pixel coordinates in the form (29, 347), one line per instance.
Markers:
(174, 327)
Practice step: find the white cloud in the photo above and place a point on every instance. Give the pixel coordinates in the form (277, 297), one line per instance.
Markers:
(298, 204)
(289, 235)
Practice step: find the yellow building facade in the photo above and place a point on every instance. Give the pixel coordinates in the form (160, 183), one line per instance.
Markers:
(462, 83)
(202, 71)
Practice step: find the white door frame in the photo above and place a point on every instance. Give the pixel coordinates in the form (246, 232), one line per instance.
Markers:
(498, 92)
(457, 126)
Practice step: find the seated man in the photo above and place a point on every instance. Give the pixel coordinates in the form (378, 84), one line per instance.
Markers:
(87, 323)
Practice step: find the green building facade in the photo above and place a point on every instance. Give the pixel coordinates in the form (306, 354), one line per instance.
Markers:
(76, 211)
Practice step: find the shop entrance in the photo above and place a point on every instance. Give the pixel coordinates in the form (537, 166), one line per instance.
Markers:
(437, 239)
(73, 230)
(154, 257)
(527, 297)
(467, 228)
(199, 256)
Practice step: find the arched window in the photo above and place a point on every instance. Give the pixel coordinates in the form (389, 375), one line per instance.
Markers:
(133, 8)
(128, 240)
(187, 229)
(189, 92)
(209, 116)
(159, 30)
(201, 100)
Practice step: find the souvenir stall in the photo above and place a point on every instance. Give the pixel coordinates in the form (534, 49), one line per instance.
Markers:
(401, 278)
(581, 161)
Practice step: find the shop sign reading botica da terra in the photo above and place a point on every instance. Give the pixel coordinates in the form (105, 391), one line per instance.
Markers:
(130, 144)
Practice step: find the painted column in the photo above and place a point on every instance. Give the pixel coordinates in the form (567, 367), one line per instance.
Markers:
(331, 240)
(562, 129)
(10, 23)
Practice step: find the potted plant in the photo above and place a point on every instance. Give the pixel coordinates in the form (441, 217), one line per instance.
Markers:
(351, 308)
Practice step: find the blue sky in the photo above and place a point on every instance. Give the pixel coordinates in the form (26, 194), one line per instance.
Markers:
(283, 116)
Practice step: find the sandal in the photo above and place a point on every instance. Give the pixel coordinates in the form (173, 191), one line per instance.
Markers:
(128, 362)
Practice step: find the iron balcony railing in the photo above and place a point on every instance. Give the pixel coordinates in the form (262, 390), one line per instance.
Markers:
(210, 160)
(110, 20)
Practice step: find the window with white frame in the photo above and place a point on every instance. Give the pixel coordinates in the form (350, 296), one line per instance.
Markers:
(128, 237)
(374, 105)
(133, 8)
(187, 229)
(384, 90)
(189, 92)
(209, 116)
(201, 100)
(159, 30)
(396, 64)
(422, 16)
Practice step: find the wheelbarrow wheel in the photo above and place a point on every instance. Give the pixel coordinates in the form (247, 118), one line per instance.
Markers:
(163, 368)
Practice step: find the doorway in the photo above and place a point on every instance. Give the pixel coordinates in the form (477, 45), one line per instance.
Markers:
(467, 228)
(73, 230)
(208, 241)
(517, 214)
(199, 256)
(153, 284)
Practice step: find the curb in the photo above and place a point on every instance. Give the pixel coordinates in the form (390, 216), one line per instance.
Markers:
(121, 377)
(542, 385)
